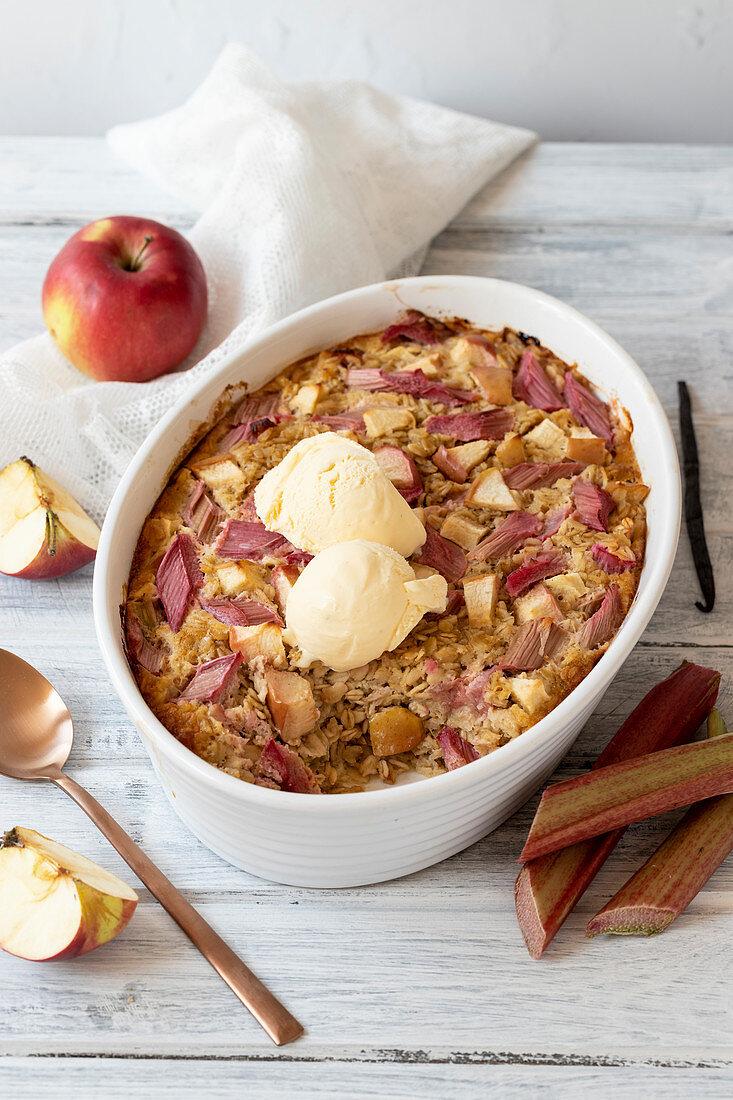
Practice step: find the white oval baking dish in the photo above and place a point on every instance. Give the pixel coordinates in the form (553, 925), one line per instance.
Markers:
(354, 839)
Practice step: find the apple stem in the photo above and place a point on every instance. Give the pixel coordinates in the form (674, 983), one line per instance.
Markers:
(136, 262)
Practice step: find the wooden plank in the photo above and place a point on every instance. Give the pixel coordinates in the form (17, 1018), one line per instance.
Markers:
(79, 1078)
(571, 184)
(46, 179)
(616, 275)
(611, 273)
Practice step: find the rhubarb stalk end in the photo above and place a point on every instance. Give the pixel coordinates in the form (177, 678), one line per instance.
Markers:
(631, 920)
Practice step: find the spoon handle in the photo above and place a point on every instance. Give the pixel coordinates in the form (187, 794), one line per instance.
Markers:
(266, 1009)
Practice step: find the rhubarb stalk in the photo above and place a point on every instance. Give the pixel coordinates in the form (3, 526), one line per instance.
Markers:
(609, 798)
(549, 888)
(663, 888)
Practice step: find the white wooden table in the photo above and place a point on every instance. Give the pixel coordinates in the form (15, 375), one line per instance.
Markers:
(421, 986)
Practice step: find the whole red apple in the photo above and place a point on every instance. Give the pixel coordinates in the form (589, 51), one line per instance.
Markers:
(125, 299)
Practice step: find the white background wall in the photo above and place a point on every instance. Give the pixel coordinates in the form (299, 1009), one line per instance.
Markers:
(609, 70)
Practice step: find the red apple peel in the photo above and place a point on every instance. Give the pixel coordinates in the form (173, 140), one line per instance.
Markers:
(548, 889)
(663, 888)
(125, 299)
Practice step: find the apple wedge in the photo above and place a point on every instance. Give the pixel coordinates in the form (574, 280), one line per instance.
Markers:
(43, 531)
(54, 903)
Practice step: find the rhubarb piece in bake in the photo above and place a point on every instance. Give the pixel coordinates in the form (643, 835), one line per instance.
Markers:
(257, 407)
(468, 690)
(282, 578)
(446, 557)
(394, 730)
(241, 612)
(457, 462)
(212, 680)
(201, 514)
(291, 704)
(349, 421)
(241, 540)
(415, 326)
(298, 557)
(588, 408)
(536, 568)
(490, 424)
(604, 623)
(248, 432)
(401, 470)
(555, 519)
(539, 475)
(593, 506)
(259, 644)
(496, 383)
(281, 764)
(489, 490)
(248, 509)
(532, 386)
(456, 750)
(480, 594)
(178, 579)
(610, 562)
(535, 641)
(414, 382)
(548, 888)
(508, 535)
(138, 647)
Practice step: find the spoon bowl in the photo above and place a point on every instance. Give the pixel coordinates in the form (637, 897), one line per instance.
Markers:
(36, 732)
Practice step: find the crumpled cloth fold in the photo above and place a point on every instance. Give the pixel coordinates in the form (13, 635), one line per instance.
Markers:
(305, 190)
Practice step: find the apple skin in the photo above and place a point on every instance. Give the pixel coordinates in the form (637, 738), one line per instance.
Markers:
(125, 299)
(60, 554)
(102, 919)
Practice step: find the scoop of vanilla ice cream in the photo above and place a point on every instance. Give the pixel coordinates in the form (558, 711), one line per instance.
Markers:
(356, 600)
(329, 489)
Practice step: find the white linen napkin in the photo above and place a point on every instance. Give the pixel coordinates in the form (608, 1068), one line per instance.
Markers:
(307, 189)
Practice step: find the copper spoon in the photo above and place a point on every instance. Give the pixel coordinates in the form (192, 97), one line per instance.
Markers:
(36, 734)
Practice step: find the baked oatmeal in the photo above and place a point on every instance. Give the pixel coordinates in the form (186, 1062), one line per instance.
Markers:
(532, 504)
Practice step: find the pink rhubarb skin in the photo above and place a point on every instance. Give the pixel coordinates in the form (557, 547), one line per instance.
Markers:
(612, 797)
(548, 889)
(663, 888)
